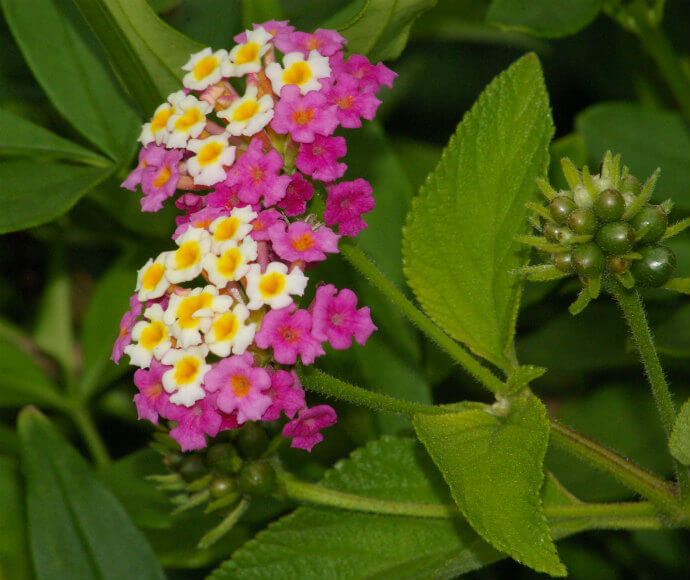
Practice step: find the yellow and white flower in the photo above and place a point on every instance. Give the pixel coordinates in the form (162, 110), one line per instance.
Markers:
(230, 332)
(183, 381)
(205, 69)
(248, 115)
(232, 228)
(232, 263)
(189, 315)
(275, 286)
(188, 121)
(246, 58)
(296, 70)
(212, 153)
(185, 263)
(149, 338)
(156, 131)
(151, 278)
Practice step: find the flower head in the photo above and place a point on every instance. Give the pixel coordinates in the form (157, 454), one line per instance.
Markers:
(301, 242)
(205, 69)
(184, 379)
(320, 158)
(275, 286)
(345, 204)
(213, 154)
(303, 117)
(296, 70)
(337, 320)
(248, 114)
(288, 332)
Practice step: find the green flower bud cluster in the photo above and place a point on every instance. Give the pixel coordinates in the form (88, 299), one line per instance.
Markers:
(603, 226)
(222, 476)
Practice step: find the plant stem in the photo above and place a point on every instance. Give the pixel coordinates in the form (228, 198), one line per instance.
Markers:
(633, 311)
(365, 265)
(629, 515)
(648, 485)
(82, 419)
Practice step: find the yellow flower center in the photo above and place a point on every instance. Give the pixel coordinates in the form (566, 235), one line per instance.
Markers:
(272, 284)
(188, 120)
(160, 119)
(248, 53)
(187, 255)
(205, 67)
(153, 335)
(303, 242)
(186, 370)
(162, 177)
(302, 116)
(226, 229)
(226, 327)
(240, 384)
(210, 153)
(245, 111)
(298, 74)
(152, 276)
(228, 262)
(189, 306)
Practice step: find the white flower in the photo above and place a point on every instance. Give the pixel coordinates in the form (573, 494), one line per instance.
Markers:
(248, 115)
(246, 58)
(189, 315)
(232, 228)
(274, 286)
(232, 264)
(185, 263)
(188, 121)
(156, 130)
(296, 70)
(205, 69)
(149, 338)
(212, 153)
(183, 381)
(151, 278)
(229, 332)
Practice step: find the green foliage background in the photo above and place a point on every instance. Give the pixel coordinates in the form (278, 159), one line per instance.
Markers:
(70, 112)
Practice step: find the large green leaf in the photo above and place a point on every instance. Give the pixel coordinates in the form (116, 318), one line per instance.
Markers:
(549, 18)
(679, 442)
(21, 137)
(77, 529)
(14, 549)
(646, 139)
(22, 381)
(146, 53)
(493, 465)
(72, 73)
(458, 242)
(33, 193)
(378, 28)
(317, 543)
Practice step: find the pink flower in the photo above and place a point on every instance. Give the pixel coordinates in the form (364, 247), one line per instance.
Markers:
(263, 223)
(327, 42)
(300, 242)
(151, 155)
(199, 219)
(353, 104)
(320, 158)
(128, 321)
(345, 204)
(289, 335)
(255, 175)
(305, 430)
(303, 117)
(194, 423)
(227, 198)
(240, 387)
(189, 203)
(287, 395)
(337, 320)
(278, 28)
(298, 193)
(152, 401)
(159, 182)
(369, 77)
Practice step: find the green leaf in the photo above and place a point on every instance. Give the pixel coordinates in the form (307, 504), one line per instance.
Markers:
(319, 543)
(144, 51)
(378, 28)
(14, 549)
(77, 528)
(108, 303)
(22, 381)
(458, 242)
(493, 466)
(679, 443)
(72, 73)
(21, 137)
(211, 22)
(646, 139)
(522, 376)
(34, 193)
(257, 11)
(548, 18)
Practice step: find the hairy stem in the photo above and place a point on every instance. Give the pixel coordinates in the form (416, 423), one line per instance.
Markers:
(633, 310)
(628, 515)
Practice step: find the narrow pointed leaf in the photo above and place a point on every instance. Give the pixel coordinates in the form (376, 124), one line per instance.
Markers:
(15, 563)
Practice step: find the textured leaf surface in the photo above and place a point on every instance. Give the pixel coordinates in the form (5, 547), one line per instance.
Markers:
(77, 529)
(458, 242)
(679, 442)
(549, 18)
(33, 193)
(493, 466)
(317, 543)
(72, 73)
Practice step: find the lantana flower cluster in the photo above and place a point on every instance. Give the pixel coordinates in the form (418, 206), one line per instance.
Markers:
(216, 326)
